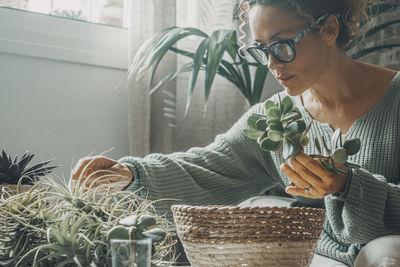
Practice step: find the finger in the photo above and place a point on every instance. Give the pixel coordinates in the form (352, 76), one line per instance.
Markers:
(312, 165)
(294, 177)
(305, 173)
(300, 192)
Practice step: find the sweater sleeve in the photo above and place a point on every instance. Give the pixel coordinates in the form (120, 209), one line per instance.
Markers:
(229, 170)
(368, 208)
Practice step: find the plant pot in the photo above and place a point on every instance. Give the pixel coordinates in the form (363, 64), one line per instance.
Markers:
(18, 4)
(248, 236)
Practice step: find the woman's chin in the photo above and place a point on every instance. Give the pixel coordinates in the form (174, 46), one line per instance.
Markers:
(292, 91)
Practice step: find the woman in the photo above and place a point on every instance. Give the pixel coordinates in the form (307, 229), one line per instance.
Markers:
(301, 41)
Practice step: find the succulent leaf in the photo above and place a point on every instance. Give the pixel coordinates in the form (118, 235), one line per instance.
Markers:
(270, 121)
(269, 104)
(275, 136)
(251, 121)
(269, 145)
(145, 221)
(274, 113)
(262, 137)
(340, 155)
(261, 124)
(275, 127)
(317, 145)
(301, 125)
(335, 139)
(286, 104)
(118, 232)
(252, 133)
(156, 234)
(291, 149)
(352, 146)
(291, 116)
(291, 130)
(326, 147)
(129, 221)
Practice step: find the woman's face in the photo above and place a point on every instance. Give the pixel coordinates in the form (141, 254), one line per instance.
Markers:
(272, 23)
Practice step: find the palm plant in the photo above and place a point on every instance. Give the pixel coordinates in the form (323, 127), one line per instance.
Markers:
(209, 56)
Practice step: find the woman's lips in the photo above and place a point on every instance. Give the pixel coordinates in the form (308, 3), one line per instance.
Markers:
(286, 79)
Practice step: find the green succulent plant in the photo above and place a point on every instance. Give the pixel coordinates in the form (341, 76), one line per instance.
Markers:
(282, 128)
(12, 171)
(60, 224)
(338, 152)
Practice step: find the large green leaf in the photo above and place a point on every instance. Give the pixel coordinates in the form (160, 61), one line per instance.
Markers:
(216, 48)
(197, 61)
(247, 78)
(165, 43)
(258, 85)
(185, 68)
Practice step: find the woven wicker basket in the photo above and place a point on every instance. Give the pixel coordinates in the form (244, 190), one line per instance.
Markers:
(248, 236)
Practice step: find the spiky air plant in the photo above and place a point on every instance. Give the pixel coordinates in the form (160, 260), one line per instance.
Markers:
(60, 224)
(284, 129)
(12, 171)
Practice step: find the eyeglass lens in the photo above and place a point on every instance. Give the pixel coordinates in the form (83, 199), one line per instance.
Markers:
(282, 51)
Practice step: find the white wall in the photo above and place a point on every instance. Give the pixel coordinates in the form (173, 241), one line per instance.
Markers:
(61, 108)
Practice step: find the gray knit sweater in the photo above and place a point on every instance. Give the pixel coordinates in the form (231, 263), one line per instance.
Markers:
(234, 168)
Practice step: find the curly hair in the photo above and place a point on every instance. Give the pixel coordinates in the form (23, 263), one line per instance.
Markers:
(351, 13)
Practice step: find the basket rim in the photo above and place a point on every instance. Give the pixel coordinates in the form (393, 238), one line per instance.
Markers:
(242, 208)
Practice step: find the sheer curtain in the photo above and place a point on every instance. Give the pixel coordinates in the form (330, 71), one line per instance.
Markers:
(157, 123)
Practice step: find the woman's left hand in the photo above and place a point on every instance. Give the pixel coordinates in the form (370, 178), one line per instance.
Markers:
(310, 179)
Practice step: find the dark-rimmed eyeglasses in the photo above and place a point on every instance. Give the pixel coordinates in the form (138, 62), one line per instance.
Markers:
(282, 50)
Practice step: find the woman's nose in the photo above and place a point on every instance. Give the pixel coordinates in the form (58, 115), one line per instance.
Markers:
(273, 63)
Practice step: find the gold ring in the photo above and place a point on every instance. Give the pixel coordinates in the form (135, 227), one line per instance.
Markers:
(308, 189)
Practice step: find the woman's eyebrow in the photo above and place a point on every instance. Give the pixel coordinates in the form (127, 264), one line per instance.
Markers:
(273, 37)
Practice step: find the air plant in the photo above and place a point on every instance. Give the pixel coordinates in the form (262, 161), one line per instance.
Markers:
(284, 129)
(60, 224)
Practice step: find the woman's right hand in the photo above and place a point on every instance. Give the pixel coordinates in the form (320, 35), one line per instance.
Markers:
(99, 170)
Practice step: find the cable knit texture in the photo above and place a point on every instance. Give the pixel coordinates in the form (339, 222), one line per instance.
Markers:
(234, 168)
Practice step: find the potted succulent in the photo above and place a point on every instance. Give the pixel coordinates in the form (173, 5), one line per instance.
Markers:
(284, 129)
(14, 174)
(61, 224)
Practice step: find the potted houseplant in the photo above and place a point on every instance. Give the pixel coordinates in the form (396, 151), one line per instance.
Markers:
(16, 176)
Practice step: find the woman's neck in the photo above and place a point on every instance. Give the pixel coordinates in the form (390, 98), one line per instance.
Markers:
(340, 84)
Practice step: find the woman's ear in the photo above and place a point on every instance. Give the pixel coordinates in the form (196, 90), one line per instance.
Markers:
(330, 30)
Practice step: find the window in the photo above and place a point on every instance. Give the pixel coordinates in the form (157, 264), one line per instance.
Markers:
(110, 12)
